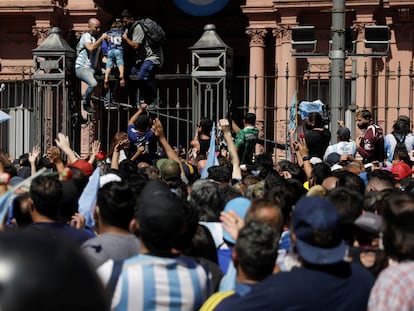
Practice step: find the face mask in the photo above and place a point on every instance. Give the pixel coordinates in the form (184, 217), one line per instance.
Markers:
(373, 259)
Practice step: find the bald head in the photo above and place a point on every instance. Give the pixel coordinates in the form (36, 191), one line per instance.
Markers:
(94, 25)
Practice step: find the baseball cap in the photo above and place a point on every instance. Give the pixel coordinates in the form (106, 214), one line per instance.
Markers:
(316, 224)
(369, 222)
(344, 133)
(239, 206)
(401, 170)
(168, 168)
(83, 165)
(161, 217)
(333, 158)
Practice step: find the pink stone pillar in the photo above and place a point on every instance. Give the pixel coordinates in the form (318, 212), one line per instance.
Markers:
(256, 72)
(286, 81)
(364, 84)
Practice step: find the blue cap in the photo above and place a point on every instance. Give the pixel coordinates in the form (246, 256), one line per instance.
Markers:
(239, 206)
(316, 224)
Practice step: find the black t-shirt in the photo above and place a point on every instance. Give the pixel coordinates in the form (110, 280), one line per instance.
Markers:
(204, 146)
(317, 141)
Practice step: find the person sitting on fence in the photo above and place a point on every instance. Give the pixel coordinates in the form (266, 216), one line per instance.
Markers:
(86, 60)
(145, 58)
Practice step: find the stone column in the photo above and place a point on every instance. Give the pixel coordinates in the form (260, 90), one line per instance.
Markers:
(286, 81)
(256, 71)
(364, 85)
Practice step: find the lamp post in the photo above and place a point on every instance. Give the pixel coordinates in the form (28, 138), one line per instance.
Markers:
(337, 56)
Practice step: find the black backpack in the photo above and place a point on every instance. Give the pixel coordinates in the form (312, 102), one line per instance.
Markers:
(400, 146)
(154, 34)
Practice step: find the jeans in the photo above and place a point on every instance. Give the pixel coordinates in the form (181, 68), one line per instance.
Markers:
(146, 75)
(87, 75)
(114, 56)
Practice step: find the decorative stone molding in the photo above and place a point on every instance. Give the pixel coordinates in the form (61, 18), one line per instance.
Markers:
(257, 36)
(359, 27)
(283, 32)
(41, 33)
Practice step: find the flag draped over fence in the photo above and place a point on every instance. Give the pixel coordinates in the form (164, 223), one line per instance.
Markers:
(87, 199)
(293, 111)
(212, 157)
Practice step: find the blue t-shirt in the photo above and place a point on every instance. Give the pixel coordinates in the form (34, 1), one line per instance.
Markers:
(146, 139)
(114, 42)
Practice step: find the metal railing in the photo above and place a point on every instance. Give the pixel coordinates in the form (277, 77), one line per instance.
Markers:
(175, 110)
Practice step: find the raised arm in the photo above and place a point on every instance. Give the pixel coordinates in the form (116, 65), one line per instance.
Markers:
(33, 157)
(63, 143)
(93, 46)
(169, 151)
(224, 126)
(235, 127)
(96, 145)
(142, 108)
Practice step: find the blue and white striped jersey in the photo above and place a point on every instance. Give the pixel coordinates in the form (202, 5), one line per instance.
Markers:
(155, 283)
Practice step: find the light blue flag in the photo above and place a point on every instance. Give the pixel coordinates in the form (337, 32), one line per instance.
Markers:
(6, 199)
(293, 111)
(306, 108)
(212, 157)
(87, 199)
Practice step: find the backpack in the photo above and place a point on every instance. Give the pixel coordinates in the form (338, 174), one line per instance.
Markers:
(400, 146)
(154, 34)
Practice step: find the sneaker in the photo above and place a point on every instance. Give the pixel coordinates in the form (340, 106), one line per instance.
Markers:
(88, 109)
(126, 105)
(111, 106)
(153, 105)
(95, 99)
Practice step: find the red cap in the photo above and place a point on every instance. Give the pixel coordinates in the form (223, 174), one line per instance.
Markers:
(401, 170)
(84, 165)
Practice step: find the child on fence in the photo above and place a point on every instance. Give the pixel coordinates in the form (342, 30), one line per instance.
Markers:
(115, 52)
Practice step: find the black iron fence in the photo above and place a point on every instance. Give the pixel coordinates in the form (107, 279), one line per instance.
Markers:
(390, 88)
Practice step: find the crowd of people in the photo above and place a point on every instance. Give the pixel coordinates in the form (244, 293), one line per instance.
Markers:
(329, 229)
